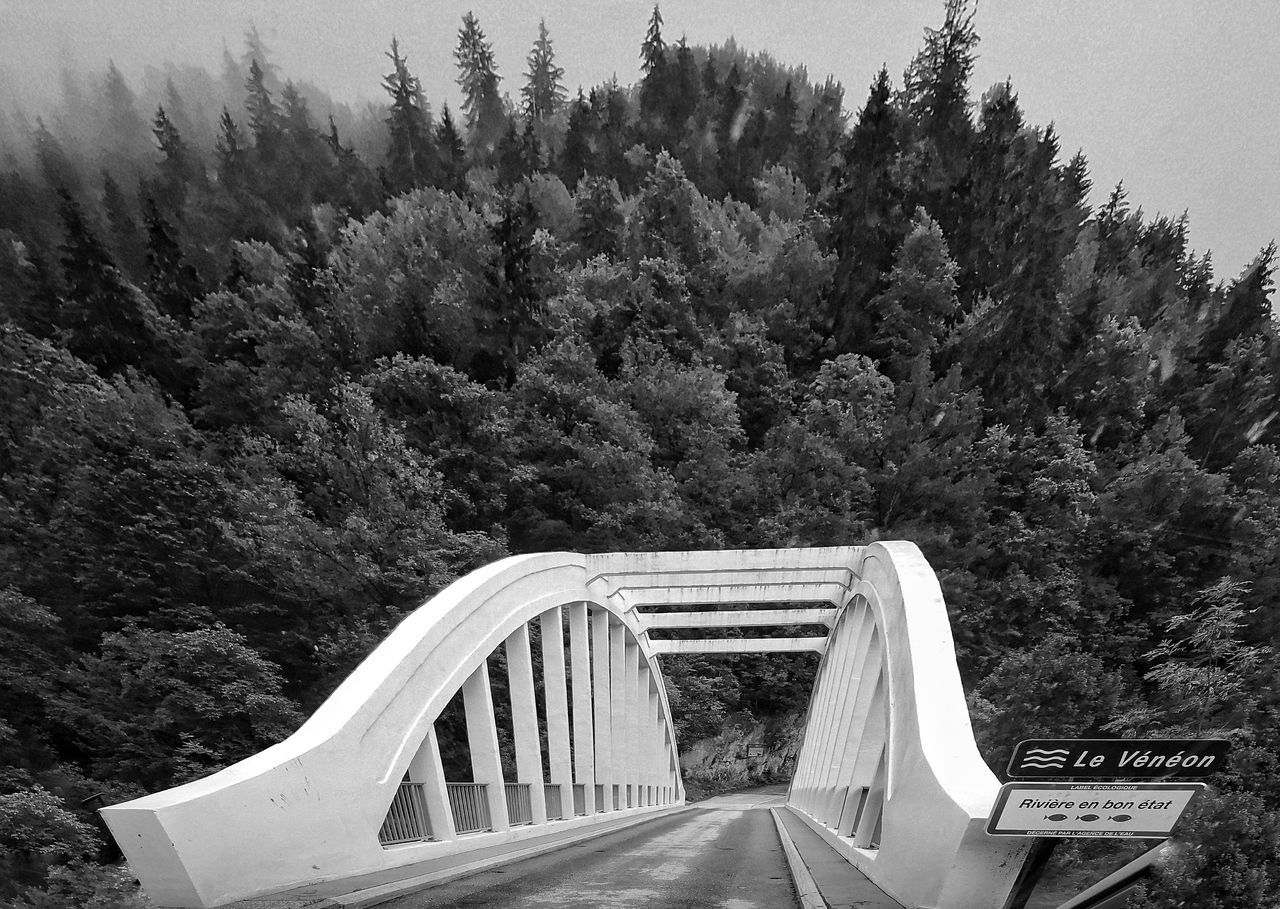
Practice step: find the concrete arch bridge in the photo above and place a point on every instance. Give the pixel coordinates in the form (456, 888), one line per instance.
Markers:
(888, 773)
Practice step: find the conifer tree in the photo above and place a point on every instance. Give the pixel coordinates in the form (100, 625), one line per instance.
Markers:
(411, 152)
(101, 315)
(577, 155)
(178, 167)
(264, 114)
(123, 133)
(230, 150)
(453, 154)
(171, 280)
(543, 90)
(654, 90)
(478, 78)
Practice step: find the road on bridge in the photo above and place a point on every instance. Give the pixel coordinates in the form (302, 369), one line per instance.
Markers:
(722, 854)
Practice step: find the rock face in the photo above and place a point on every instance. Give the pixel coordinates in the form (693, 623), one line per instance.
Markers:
(743, 755)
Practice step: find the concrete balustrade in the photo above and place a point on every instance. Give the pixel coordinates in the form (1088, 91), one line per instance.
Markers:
(888, 772)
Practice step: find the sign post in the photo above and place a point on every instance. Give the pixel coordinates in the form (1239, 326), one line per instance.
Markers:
(1067, 807)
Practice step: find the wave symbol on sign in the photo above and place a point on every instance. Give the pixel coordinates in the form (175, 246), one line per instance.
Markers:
(1045, 757)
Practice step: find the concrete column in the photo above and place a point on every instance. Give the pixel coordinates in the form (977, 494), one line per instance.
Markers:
(524, 721)
(872, 808)
(822, 705)
(633, 719)
(603, 705)
(584, 744)
(623, 757)
(851, 683)
(427, 770)
(482, 736)
(865, 728)
(557, 698)
(815, 723)
(869, 754)
(652, 732)
(841, 669)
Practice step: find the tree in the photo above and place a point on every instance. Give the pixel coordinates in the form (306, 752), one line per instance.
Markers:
(411, 152)
(264, 114)
(543, 91)
(453, 154)
(172, 281)
(104, 315)
(478, 78)
(917, 307)
(157, 708)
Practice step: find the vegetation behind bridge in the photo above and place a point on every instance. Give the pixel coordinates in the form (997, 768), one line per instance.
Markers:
(274, 372)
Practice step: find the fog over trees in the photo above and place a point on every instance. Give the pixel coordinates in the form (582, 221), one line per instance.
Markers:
(276, 369)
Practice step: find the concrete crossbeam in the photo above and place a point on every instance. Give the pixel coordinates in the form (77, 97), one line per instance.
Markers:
(739, 618)
(741, 645)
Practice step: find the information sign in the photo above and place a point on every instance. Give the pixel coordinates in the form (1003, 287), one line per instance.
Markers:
(1101, 759)
(1090, 809)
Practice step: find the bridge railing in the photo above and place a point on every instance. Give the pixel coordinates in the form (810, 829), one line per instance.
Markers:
(551, 794)
(469, 806)
(406, 820)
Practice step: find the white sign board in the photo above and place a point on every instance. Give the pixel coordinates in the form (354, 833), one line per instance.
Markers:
(1090, 809)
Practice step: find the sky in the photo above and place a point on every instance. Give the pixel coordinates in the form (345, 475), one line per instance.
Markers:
(1179, 99)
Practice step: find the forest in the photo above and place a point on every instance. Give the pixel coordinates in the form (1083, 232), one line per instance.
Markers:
(274, 371)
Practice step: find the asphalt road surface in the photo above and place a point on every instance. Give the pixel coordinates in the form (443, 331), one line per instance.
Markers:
(722, 854)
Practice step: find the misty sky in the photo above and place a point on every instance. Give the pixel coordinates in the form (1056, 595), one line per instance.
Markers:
(1179, 99)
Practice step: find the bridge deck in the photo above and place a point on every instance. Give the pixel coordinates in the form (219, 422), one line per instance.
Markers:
(721, 852)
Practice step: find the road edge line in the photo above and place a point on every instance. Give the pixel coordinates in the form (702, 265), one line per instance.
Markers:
(801, 879)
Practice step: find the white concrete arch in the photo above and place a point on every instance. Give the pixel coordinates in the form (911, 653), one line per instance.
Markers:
(888, 772)
(310, 808)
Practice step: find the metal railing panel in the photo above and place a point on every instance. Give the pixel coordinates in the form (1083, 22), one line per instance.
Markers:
(469, 803)
(555, 810)
(519, 804)
(599, 797)
(406, 820)
(579, 799)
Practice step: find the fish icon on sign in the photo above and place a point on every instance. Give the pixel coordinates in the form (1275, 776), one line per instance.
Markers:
(1122, 818)
(1055, 817)
(1041, 758)
(1087, 817)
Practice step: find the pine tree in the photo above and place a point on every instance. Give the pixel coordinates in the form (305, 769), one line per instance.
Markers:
(453, 154)
(411, 153)
(171, 280)
(121, 225)
(866, 215)
(543, 90)
(124, 134)
(231, 151)
(478, 78)
(577, 155)
(654, 89)
(653, 51)
(179, 166)
(264, 115)
(101, 315)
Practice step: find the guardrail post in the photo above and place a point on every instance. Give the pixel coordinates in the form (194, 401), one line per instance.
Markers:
(524, 721)
(482, 736)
